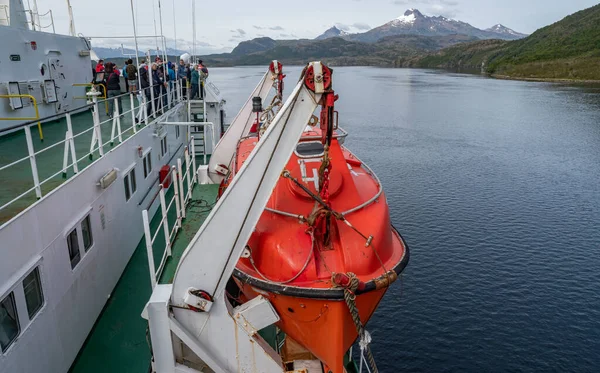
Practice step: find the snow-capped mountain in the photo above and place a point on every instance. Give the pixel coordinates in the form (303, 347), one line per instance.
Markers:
(413, 22)
(503, 30)
(332, 33)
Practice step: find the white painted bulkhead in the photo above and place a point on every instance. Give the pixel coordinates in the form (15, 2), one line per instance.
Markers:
(37, 237)
(34, 60)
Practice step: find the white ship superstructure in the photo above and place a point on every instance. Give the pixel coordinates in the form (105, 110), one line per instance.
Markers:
(41, 73)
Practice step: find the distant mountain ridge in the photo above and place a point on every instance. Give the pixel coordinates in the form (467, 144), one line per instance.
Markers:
(332, 33)
(413, 22)
(567, 49)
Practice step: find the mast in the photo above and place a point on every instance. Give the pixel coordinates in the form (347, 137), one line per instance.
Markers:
(137, 58)
(72, 31)
(193, 31)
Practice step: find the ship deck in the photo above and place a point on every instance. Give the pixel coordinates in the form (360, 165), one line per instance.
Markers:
(13, 147)
(119, 341)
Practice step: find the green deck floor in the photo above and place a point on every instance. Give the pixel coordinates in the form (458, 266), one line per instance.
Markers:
(117, 343)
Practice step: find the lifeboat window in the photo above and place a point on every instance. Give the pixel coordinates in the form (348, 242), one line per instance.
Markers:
(310, 149)
(9, 321)
(34, 297)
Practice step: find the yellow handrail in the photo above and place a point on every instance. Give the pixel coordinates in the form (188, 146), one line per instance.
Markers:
(92, 85)
(37, 113)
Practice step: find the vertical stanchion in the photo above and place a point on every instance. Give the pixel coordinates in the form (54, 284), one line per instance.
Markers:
(195, 178)
(188, 171)
(72, 143)
(181, 195)
(34, 170)
(65, 155)
(204, 141)
(148, 239)
(176, 195)
(163, 207)
(133, 123)
(97, 130)
(118, 116)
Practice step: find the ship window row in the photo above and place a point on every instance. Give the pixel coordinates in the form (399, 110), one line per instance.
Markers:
(83, 230)
(28, 296)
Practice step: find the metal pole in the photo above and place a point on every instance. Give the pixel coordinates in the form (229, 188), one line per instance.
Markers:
(175, 37)
(163, 207)
(133, 124)
(193, 31)
(52, 20)
(72, 143)
(37, 15)
(34, 170)
(71, 20)
(194, 179)
(181, 195)
(97, 128)
(176, 190)
(165, 59)
(148, 239)
(137, 58)
(186, 153)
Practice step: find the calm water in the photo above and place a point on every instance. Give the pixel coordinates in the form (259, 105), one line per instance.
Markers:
(496, 187)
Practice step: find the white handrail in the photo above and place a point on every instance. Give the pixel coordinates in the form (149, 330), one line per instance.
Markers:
(179, 199)
(71, 138)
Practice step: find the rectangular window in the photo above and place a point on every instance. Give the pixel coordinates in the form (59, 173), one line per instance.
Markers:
(33, 292)
(127, 188)
(177, 129)
(130, 184)
(163, 146)
(9, 322)
(147, 164)
(73, 245)
(86, 232)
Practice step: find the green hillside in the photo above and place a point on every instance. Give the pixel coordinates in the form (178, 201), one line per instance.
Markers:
(568, 49)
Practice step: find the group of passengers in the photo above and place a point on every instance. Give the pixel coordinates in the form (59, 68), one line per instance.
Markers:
(153, 82)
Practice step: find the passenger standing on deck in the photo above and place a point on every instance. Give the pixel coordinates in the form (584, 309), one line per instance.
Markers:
(132, 77)
(171, 74)
(203, 76)
(145, 86)
(157, 83)
(113, 88)
(124, 74)
(195, 81)
(182, 76)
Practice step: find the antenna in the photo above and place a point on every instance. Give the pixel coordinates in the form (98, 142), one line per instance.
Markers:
(193, 31)
(71, 20)
(137, 53)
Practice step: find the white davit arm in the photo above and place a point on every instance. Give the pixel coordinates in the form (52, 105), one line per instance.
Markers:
(239, 128)
(209, 260)
(194, 308)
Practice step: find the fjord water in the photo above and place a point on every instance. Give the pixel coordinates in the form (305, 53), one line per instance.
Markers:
(495, 185)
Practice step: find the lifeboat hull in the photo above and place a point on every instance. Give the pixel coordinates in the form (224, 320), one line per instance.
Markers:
(319, 318)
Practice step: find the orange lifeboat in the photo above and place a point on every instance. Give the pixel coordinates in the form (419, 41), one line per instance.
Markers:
(325, 233)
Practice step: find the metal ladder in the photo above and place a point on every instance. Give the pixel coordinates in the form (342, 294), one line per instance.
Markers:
(196, 110)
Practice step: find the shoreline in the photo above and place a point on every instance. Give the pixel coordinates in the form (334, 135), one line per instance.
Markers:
(546, 80)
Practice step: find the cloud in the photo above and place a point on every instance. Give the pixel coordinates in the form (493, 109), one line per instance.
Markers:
(284, 35)
(276, 28)
(447, 8)
(361, 26)
(258, 27)
(242, 32)
(261, 35)
(342, 27)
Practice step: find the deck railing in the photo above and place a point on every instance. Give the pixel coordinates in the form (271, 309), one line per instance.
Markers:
(180, 186)
(138, 113)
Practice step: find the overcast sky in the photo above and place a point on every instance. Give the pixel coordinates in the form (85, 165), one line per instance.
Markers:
(221, 25)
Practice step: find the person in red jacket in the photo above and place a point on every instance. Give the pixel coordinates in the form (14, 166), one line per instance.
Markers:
(100, 66)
